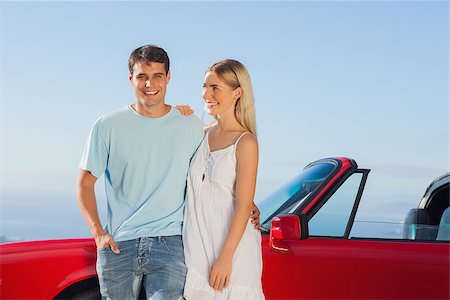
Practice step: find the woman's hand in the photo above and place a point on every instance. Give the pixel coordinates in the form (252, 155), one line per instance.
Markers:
(220, 273)
(255, 216)
(185, 110)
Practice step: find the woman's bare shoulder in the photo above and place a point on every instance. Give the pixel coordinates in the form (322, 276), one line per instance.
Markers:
(247, 142)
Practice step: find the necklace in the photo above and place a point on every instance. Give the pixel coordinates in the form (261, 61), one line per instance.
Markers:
(208, 161)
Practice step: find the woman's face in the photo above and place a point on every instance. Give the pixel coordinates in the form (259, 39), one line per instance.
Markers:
(219, 97)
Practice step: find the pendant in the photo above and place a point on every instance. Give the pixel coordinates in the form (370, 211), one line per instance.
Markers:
(206, 167)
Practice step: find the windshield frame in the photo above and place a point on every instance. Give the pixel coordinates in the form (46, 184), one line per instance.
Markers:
(336, 163)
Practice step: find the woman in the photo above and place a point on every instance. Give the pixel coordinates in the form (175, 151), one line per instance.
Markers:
(222, 248)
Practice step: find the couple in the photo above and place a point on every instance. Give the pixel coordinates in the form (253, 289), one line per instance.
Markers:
(146, 151)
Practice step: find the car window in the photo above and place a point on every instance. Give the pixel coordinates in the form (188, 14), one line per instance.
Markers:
(288, 198)
(332, 218)
(427, 222)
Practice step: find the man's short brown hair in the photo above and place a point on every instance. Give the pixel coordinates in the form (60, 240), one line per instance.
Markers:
(147, 54)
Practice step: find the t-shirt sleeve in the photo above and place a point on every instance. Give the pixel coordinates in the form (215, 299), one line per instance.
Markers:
(198, 133)
(95, 153)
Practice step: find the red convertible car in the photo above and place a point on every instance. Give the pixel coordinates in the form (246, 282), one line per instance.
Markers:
(308, 249)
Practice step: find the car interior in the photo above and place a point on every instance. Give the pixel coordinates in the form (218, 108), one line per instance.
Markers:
(432, 222)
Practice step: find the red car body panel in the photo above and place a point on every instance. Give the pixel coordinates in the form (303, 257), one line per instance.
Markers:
(42, 269)
(323, 268)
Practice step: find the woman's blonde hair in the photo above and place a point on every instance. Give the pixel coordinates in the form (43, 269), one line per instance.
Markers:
(235, 75)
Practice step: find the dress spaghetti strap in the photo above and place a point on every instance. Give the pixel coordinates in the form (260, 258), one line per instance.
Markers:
(237, 141)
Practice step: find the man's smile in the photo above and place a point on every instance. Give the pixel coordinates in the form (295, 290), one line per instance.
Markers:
(150, 92)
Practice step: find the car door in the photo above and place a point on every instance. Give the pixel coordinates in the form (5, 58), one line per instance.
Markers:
(326, 263)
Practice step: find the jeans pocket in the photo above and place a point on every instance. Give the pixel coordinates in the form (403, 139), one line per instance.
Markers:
(103, 249)
(173, 246)
(108, 249)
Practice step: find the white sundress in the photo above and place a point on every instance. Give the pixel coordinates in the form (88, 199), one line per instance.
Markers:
(208, 214)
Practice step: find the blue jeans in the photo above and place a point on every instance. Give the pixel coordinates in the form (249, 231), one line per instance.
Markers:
(157, 263)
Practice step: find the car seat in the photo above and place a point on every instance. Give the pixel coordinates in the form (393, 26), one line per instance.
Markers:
(444, 226)
(417, 226)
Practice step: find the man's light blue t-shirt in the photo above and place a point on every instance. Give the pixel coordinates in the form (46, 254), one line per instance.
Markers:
(145, 162)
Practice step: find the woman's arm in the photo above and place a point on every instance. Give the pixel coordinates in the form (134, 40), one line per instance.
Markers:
(247, 166)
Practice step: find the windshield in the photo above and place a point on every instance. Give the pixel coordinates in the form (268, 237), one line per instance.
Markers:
(289, 197)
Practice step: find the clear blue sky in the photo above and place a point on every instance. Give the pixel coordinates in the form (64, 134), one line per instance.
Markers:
(367, 80)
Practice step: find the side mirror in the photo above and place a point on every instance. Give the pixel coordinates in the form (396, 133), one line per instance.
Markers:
(286, 228)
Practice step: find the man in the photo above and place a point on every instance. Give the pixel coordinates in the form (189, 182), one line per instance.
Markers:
(144, 151)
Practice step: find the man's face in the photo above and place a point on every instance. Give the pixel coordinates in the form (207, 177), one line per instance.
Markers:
(149, 81)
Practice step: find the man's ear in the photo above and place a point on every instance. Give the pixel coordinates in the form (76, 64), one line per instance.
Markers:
(130, 77)
(168, 77)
